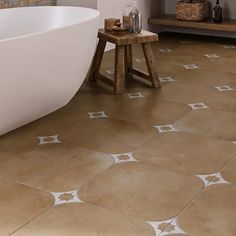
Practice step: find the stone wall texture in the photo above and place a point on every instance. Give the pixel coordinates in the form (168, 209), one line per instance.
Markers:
(24, 3)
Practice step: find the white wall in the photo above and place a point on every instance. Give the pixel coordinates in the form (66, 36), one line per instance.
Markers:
(229, 7)
(110, 8)
(81, 3)
(115, 8)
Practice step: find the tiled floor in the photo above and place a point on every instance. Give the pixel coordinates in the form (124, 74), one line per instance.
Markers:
(147, 163)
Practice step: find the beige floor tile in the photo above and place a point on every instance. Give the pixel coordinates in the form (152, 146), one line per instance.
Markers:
(94, 155)
(85, 220)
(229, 172)
(232, 83)
(164, 67)
(59, 123)
(218, 124)
(200, 47)
(225, 101)
(116, 136)
(181, 93)
(20, 204)
(186, 153)
(213, 213)
(92, 98)
(216, 64)
(186, 93)
(205, 78)
(141, 190)
(55, 170)
(147, 111)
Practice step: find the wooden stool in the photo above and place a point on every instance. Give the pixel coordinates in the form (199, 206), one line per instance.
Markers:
(123, 58)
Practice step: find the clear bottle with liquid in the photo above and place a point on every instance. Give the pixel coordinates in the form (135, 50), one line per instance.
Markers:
(127, 11)
(217, 12)
(135, 19)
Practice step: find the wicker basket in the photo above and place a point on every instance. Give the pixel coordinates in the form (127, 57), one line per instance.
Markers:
(196, 10)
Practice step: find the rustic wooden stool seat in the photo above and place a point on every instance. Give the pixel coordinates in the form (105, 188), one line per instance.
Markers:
(123, 58)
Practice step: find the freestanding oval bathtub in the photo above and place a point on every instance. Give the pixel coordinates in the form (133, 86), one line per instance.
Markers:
(45, 56)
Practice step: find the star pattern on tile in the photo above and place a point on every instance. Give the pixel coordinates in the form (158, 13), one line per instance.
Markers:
(164, 50)
(166, 128)
(224, 88)
(212, 179)
(229, 46)
(234, 142)
(97, 115)
(135, 95)
(123, 157)
(211, 56)
(190, 67)
(49, 139)
(66, 197)
(166, 79)
(139, 60)
(198, 106)
(110, 72)
(185, 42)
(167, 227)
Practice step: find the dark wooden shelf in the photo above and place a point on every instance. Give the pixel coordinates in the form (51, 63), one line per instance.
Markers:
(170, 20)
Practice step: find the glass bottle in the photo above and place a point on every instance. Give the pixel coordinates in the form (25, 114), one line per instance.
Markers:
(128, 9)
(135, 19)
(217, 12)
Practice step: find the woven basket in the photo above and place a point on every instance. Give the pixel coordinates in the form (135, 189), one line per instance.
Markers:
(195, 10)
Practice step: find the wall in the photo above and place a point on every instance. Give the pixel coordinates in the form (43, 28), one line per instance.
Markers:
(25, 3)
(229, 7)
(81, 3)
(115, 8)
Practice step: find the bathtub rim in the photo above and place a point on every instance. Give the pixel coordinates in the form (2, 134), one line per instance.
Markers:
(97, 15)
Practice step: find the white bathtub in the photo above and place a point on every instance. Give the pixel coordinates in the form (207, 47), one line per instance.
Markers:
(45, 54)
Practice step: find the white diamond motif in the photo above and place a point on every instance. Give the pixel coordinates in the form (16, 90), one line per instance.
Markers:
(166, 79)
(164, 50)
(49, 139)
(140, 60)
(229, 46)
(66, 197)
(97, 115)
(135, 95)
(224, 88)
(123, 157)
(190, 67)
(167, 227)
(211, 56)
(110, 72)
(198, 106)
(212, 179)
(166, 128)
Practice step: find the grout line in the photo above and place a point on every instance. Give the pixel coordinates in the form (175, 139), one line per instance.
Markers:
(199, 193)
(29, 221)
(134, 150)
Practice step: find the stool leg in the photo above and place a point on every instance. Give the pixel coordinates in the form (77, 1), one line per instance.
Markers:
(151, 64)
(128, 57)
(119, 79)
(97, 60)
